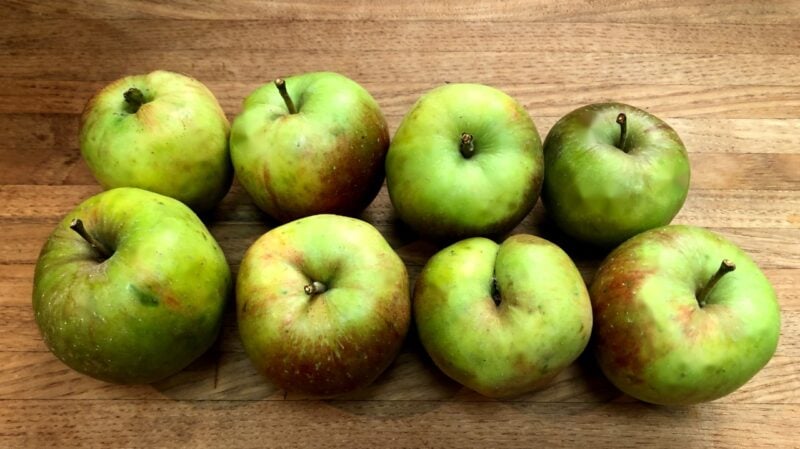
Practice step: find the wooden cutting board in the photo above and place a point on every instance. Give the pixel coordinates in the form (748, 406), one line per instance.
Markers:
(725, 75)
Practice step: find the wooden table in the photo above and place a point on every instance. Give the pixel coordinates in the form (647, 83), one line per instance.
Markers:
(725, 75)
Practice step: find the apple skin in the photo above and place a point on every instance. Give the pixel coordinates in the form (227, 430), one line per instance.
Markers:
(442, 194)
(599, 194)
(541, 325)
(329, 343)
(326, 158)
(654, 341)
(146, 312)
(175, 144)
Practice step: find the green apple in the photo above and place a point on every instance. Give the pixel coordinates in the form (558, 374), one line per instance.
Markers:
(682, 315)
(465, 161)
(163, 132)
(130, 287)
(323, 304)
(611, 172)
(503, 319)
(310, 144)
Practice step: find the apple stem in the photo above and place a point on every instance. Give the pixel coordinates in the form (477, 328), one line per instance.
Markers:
(77, 226)
(134, 98)
(280, 83)
(467, 145)
(724, 268)
(622, 119)
(315, 288)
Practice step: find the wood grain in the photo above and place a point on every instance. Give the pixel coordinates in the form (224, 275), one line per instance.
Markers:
(725, 75)
(140, 423)
(489, 67)
(534, 11)
(450, 36)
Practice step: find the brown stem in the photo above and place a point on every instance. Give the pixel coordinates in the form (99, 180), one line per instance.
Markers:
(134, 98)
(467, 145)
(622, 120)
(724, 268)
(280, 83)
(77, 226)
(315, 288)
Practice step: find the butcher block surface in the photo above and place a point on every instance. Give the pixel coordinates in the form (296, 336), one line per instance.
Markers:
(725, 75)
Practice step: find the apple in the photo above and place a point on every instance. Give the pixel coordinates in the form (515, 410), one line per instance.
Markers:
(130, 287)
(323, 304)
(310, 144)
(682, 316)
(465, 161)
(503, 319)
(611, 172)
(163, 132)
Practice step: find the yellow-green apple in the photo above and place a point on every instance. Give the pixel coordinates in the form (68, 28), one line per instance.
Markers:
(323, 304)
(465, 161)
(682, 315)
(130, 287)
(310, 144)
(611, 172)
(503, 319)
(163, 132)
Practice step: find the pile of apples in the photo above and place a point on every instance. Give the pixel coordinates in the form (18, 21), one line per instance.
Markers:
(131, 286)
